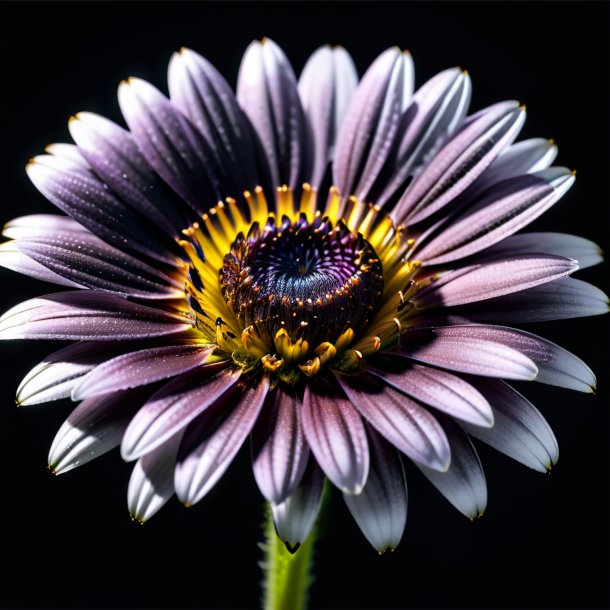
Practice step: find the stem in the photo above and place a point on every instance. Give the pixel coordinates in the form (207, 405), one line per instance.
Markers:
(288, 576)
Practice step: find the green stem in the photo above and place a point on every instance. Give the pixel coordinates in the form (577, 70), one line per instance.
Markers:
(288, 576)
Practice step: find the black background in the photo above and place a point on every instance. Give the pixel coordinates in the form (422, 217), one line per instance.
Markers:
(68, 541)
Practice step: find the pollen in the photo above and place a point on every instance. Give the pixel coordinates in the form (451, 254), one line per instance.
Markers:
(288, 288)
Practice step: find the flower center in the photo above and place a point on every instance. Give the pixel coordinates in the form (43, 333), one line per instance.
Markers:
(310, 279)
(295, 289)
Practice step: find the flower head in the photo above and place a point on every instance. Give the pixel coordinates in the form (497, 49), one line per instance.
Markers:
(324, 266)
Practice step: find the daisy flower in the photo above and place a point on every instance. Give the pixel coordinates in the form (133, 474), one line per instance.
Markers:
(326, 267)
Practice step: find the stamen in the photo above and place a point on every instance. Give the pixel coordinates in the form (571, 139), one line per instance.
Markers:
(290, 289)
(301, 281)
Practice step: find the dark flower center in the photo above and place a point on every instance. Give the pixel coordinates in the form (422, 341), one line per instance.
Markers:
(310, 279)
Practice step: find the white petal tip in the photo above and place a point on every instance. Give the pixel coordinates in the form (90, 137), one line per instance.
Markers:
(292, 547)
(77, 396)
(129, 454)
(8, 334)
(62, 468)
(437, 463)
(384, 551)
(353, 490)
(136, 519)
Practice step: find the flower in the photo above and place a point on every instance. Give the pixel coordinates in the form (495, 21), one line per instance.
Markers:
(226, 290)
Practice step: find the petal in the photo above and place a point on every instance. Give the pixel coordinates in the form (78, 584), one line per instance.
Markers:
(68, 152)
(295, 517)
(466, 350)
(501, 211)
(66, 158)
(212, 441)
(525, 157)
(59, 372)
(460, 162)
(326, 87)
(402, 421)
(86, 316)
(464, 483)
(489, 280)
(380, 510)
(372, 122)
(172, 146)
(206, 99)
(86, 260)
(337, 437)
(279, 449)
(85, 198)
(520, 430)
(92, 429)
(444, 391)
(522, 157)
(562, 298)
(116, 159)
(152, 480)
(39, 225)
(436, 112)
(555, 365)
(175, 406)
(11, 258)
(586, 252)
(267, 92)
(141, 367)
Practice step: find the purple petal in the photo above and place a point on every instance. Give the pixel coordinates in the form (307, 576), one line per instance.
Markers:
(40, 225)
(295, 517)
(206, 99)
(460, 162)
(176, 405)
(380, 510)
(464, 483)
(562, 298)
(116, 159)
(58, 373)
(520, 430)
(92, 429)
(86, 316)
(444, 391)
(555, 365)
(326, 87)
(586, 252)
(467, 349)
(279, 449)
(402, 421)
(11, 258)
(172, 146)
(489, 280)
(525, 157)
(337, 437)
(436, 112)
(152, 480)
(372, 122)
(267, 92)
(141, 368)
(212, 441)
(501, 211)
(89, 201)
(87, 261)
